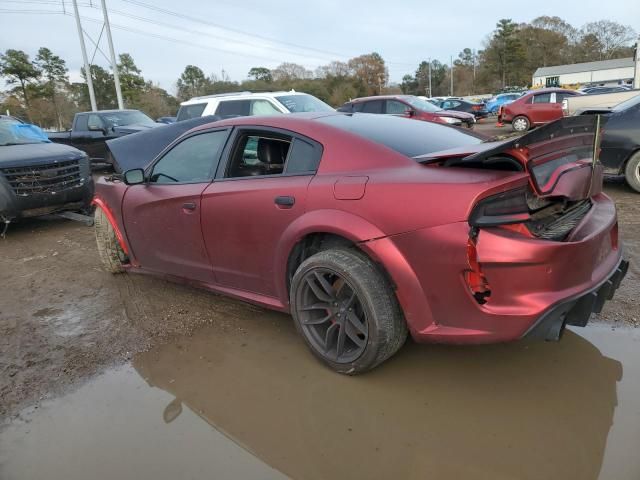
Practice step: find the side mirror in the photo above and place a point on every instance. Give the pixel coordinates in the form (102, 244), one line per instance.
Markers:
(409, 112)
(96, 128)
(134, 176)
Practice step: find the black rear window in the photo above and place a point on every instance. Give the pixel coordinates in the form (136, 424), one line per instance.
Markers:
(240, 108)
(190, 111)
(407, 136)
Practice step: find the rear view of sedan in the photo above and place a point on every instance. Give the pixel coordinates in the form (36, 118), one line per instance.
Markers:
(408, 106)
(369, 228)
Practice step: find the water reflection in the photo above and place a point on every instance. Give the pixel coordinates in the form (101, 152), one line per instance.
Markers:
(500, 412)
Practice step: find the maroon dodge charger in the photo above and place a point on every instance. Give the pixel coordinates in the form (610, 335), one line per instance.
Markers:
(369, 227)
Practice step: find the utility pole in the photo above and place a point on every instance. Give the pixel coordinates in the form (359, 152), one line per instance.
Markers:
(473, 58)
(636, 76)
(87, 69)
(451, 73)
(430, 94)
(114, 65)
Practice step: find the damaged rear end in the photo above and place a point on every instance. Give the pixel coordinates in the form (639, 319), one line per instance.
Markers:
(551, 245)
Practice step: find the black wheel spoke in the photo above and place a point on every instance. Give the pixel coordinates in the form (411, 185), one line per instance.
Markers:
(330, 337)
(326, 286)
(340, 346)
(353, 319)
(317, 291)
(318, 321)
(316, 306)
(351, 300)
(353, 335)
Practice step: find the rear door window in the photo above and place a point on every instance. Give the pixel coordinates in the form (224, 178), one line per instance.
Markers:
(373, 106)
(240, 108)
(190, 111)
(542, 98)
(304, 157)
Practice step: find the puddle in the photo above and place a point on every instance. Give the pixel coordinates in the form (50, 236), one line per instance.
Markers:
(255, 403)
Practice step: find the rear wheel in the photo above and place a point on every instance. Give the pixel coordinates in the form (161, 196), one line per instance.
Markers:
(346, 311)
(632, 172)
(111, 254)
(520, 124)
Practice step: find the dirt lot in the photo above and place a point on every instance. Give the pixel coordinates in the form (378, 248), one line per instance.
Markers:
(62, 319)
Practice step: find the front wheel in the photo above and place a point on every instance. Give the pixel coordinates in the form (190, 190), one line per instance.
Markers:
(111, 254)
(632, 172)
(520, 124)
(346, 311)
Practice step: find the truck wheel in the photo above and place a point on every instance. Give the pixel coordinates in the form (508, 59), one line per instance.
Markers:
(111, 254)
(346, 311)
(520, 124)
(632, 172)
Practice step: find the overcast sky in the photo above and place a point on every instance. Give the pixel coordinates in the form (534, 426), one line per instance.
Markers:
(236, 35)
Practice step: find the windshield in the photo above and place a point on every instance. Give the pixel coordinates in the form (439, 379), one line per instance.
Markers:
(406, 136)
(120, 119)
(303, 103)
(631, 102)
(12, 132)
(423, 105)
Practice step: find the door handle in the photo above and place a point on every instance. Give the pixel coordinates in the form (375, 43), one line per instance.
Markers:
(285, 201)
(189, 206)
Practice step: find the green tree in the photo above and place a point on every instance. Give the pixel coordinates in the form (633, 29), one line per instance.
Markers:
(103, 88)
(16, 67)
(261, 74)
(504, 53)
(192, 83)
(132, 82)
(55, 79)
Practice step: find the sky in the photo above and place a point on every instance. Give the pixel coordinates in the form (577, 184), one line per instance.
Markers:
(164, 36)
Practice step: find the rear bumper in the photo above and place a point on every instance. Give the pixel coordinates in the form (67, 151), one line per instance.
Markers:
(528, 277)
(577, 311)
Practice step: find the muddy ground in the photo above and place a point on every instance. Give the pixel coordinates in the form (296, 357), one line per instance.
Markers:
(62, 319)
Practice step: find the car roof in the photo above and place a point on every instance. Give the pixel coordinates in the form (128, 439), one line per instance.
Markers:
(239, 95)
(550, 90)
(382, 97)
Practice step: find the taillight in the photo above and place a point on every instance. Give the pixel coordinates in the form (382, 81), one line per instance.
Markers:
(475, 279)
(502, 209)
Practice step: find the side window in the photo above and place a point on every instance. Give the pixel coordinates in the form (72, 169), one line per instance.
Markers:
(185, 112)
(455, 104)
(542, 98)
(263, 107)
(446, 104)
(258, 154)
(234, 107)
(357, 107)
(81, 123)
(374, 106)
(192, 160)
(560, 96)
(303, 157)
(94, 121)
(396, 108)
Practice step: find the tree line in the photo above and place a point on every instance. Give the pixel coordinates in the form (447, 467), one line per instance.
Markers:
(40, 90)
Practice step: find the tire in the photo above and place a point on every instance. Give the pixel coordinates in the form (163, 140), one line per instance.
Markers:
(632, 172)
(520, 124)
(380, 329)
(111, 254)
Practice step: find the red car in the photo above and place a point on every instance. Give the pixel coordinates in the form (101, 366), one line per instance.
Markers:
(366, 227)
(535, 108)
(409, 106)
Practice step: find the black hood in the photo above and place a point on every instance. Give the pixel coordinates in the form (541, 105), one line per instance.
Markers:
(139, 150)
(36, 153)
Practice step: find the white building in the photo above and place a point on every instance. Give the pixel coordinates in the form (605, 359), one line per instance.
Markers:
(604, 72)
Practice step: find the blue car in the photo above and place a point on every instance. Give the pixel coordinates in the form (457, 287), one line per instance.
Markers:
(495, 102)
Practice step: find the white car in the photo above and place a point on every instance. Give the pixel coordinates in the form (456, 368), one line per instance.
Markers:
(248, 103)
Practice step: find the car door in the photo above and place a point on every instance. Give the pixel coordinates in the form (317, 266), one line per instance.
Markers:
(398, 108)
(539, 110)
(257, 194)
(88, 134)
(162, 216)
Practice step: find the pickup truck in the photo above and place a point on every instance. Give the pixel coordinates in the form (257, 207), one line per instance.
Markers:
(578, 104)
(91, 130)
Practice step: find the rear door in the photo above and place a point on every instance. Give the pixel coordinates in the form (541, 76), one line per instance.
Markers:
(162, 217)
(540, 109)
(257, 194)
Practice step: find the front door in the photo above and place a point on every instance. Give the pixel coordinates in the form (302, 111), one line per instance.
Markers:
(540, 110)
(253, 200)
(162, 216)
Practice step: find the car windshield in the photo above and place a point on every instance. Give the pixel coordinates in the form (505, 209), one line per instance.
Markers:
(303, 103)
(423, 105)
(631, 102)
(12, 132)
(120, 119)
(406, 136)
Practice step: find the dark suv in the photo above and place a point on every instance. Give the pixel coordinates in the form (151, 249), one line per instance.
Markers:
(408, 106)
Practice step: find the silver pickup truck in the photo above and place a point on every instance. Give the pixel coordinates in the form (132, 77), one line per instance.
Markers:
(578, 104)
